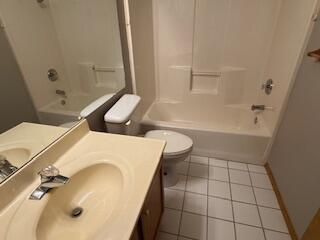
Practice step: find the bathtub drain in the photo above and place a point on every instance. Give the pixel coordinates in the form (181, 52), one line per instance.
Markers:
(76, 212)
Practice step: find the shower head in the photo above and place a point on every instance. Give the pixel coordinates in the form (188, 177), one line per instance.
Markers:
(40, 1)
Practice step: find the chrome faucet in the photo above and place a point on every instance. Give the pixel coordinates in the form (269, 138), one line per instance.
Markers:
(6, 168)
(50, 178)
(62, 93)
(260, 107)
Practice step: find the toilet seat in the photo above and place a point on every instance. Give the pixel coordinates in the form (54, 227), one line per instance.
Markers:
(177, 143)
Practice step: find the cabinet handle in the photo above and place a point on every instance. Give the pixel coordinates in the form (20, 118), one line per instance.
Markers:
(146, 212)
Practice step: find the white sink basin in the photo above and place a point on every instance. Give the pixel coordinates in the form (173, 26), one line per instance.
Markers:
(95, 191)
(99, 187)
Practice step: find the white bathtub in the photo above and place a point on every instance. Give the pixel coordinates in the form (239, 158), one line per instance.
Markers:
(56, 113)
(227, 132)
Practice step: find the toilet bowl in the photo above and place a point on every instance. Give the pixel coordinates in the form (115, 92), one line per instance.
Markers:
(120, 120)
(177, 149)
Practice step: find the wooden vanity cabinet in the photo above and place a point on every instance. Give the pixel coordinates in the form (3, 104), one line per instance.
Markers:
(151, 213)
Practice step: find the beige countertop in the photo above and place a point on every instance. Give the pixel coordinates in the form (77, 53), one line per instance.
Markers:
(131, 164)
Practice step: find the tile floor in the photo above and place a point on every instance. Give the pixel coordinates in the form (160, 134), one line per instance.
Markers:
(221, 200)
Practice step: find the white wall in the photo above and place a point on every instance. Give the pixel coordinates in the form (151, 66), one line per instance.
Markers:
(15, 102)
(212, 35)
(141, 20)
(33, 39)
(295, 155)
(288, 44)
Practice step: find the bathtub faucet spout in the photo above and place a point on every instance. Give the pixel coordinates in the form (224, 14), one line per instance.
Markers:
(61, 93)
(260, 108)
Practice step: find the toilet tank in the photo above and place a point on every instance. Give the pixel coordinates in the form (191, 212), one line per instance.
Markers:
(120, 119)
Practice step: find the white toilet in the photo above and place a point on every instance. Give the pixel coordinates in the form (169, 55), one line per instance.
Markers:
(178, 148)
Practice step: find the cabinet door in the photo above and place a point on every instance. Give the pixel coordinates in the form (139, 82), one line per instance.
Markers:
(136, 235)
(153, 208)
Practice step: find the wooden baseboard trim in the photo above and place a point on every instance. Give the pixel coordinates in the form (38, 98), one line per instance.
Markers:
(283, 208)
(313, 230)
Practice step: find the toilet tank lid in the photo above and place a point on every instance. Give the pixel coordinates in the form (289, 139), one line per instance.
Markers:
(123, 109)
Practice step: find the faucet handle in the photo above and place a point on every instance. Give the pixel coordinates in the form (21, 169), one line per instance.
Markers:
(49, 171)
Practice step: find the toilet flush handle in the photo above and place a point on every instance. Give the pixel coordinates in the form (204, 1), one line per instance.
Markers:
(128, 123)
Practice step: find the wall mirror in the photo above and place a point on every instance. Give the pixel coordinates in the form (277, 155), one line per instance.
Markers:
(56, 58)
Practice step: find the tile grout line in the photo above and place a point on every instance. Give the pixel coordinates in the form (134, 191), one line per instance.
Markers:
(207, 218)
(225, 220)
(229, 199)
(255, 198)
(178, 235)
(184, 196)
(212, 179)
(226, 160)
(234, 225)
(263, 173)
(208, 179)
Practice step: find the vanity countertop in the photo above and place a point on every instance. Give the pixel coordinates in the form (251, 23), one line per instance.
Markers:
(109, 178)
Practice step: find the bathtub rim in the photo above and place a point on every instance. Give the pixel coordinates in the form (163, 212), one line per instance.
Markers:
(264, 132)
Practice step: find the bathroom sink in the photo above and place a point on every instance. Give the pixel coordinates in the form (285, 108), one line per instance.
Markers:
(109, 179)
(78, 209)
(89, 203)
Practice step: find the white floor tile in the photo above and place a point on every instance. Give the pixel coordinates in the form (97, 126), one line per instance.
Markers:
(193, 226)
(240, 177)
(246, 213)
(271, 235)
(197, 185)
(173, 198)
(249, 233)
(257, 168)
(195, 203)
(166, 236)
(198, 170)
(182, 168)
(199, 159)
(181, 185)
(219, 189)
(242, 193)
(237, 165)
(220, 208)
(218, 162)
(218, 173)
(220, 230)
(170, 221)
(266, 198)
(260, 180)
(273, 219)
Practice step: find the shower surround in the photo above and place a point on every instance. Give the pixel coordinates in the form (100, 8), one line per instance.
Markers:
(211, 58)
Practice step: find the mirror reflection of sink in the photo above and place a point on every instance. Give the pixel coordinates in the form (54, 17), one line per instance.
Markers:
(16, 156)
(78, 209)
